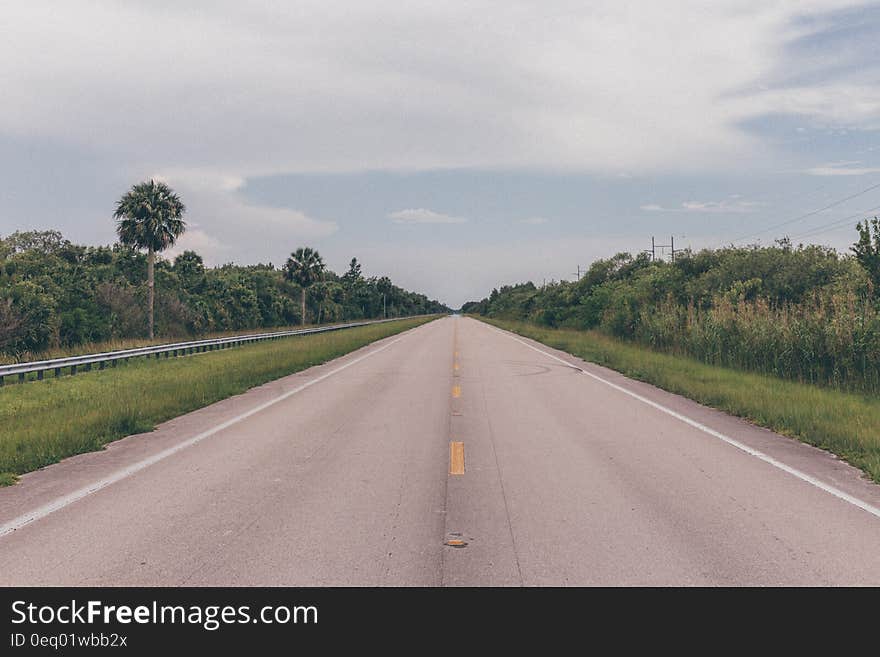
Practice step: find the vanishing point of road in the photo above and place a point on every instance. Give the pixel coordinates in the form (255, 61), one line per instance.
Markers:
(451, 454)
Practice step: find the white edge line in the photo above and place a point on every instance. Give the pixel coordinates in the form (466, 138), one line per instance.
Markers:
(803, 476)
(43, 511)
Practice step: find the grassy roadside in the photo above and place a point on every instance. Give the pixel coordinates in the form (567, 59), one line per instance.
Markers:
(847, 424)
(41, 423)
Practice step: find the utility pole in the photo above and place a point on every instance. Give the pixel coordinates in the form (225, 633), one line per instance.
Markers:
(670, 246)
(579, 272)
(652, 250)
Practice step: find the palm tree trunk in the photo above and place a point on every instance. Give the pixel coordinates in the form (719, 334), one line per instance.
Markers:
(303, 300)
(151, 288)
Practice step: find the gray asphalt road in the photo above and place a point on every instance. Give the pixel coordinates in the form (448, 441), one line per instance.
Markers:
(350, 480)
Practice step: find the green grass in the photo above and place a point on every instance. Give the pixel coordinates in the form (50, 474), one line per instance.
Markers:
(847, 424)
(43, 422)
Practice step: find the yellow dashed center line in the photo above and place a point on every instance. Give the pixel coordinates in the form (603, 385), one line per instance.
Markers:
(456, 458)
(456, 392)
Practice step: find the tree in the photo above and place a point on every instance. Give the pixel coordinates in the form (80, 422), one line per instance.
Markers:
(150, 216)
(353, 275)
(867, 249)
(304, 267)
(44, 241)
(10, 322)
(191, 269)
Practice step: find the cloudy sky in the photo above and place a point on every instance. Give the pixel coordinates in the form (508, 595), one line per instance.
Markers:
(452, 145)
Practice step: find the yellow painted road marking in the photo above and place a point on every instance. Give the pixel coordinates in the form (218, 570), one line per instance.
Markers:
(455, 367)
(456, 458)
(456, 391)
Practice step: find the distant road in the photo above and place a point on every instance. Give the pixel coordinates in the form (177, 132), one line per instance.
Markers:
(452, 454)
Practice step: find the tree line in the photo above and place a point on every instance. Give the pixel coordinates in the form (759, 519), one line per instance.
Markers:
(801, 312)
(54, 293)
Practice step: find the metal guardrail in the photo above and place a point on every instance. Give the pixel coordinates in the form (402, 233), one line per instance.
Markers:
(86, 361)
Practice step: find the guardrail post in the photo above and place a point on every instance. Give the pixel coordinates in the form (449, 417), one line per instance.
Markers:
(57, 372)
(72, 369)
(39, 375)
(102, 365)
(21, 378)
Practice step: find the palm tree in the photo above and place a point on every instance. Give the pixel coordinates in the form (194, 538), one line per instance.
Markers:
(304, 267)
(149, 217)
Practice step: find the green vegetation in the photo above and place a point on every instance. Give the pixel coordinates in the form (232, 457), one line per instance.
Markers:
(55, 295)
(802, 313)
(845, 423)
(150, 216)
(305, 267)
(43, 423)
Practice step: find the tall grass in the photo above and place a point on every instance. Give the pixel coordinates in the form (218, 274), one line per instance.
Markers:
(831, 340)
(43, 422)
(845, 423)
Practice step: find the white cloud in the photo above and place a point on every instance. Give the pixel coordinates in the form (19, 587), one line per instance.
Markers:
(196, 239)
(854, 104)
(423, 216)
(731, 204)
(249, 231)
(259, 88)
(842, 169)
(533, 221)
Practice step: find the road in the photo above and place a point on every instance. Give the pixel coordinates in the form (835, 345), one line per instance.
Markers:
(452, 454)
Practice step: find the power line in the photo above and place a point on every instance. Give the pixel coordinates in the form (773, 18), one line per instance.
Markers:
(834, 225)
(809, 214)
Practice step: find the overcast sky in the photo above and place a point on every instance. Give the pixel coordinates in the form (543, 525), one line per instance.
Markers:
(454, 146)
